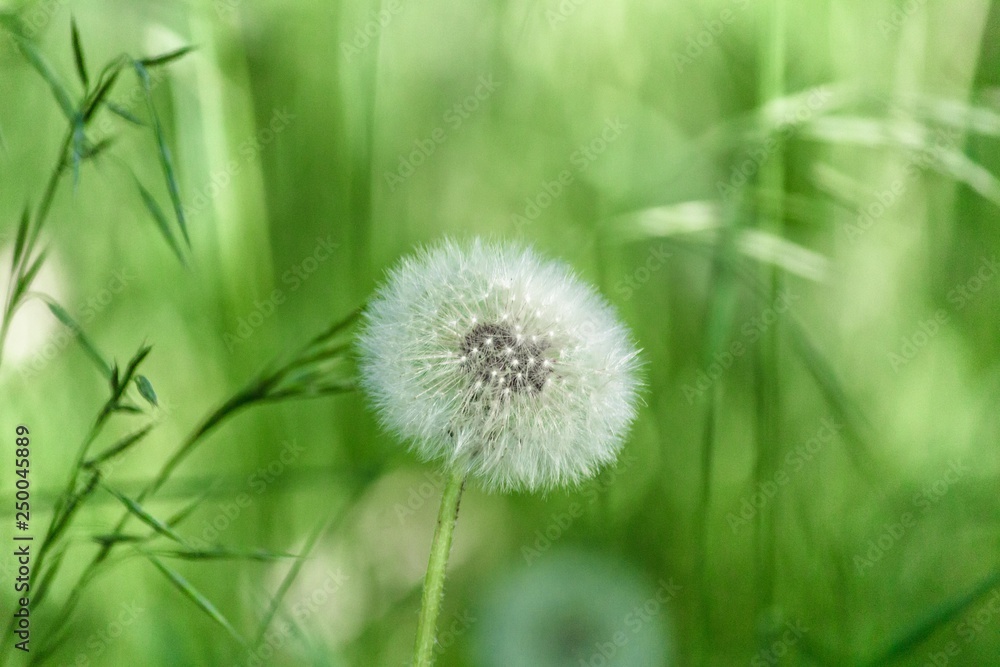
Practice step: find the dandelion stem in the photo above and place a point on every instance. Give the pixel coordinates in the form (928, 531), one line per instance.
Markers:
(430, 606)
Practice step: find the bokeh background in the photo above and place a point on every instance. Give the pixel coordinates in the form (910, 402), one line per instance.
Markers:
(793, 205)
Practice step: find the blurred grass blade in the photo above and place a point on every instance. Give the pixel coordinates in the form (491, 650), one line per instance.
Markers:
(78, 59)
(144, 516)
(103, 89)
(23, 283)
(169, 57)
(134, 363)
(22, 237)
(937, 619)
(166, 162)
(223, 553)
(120, 447)
(122, 112)
(188, 509)
(293, 572)
(161, 221)
(85, 342)
(191, 593)
(42, 66)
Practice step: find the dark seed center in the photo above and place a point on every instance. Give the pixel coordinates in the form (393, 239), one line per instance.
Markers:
(494, 354)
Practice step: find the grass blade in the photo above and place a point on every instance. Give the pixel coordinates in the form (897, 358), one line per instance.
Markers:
(119, 447)
(937, 619)
(191, 593)
(166, 162)
(161, 221)
(43, 68)
(77, 330)
(81, 65)
(107, 82)
(122, 112)
(22, 236)
(144, 516)
(223, 553)
(157, 61)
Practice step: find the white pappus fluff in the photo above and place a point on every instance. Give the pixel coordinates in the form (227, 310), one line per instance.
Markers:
(485, 356)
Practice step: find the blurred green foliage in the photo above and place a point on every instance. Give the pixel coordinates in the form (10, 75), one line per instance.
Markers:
(794, 206)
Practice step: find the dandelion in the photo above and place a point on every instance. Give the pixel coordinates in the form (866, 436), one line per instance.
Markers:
(500, 364)
(504, 367)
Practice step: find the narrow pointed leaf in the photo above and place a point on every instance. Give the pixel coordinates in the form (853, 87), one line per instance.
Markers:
(81, 65)
(161, 221)
(104, 87)
(166, 162)
(191, 593)
(156, 61)
(122, 112)
(85, 342)
(28, 277)
(223, 553)
(144, 516)
(120, 447)
(134, 363)
(42, 66)
(22, 236)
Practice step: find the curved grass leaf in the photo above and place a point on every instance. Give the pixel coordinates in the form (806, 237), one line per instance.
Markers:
(41, 65)
(144, 516)
(161, 220)
(119, 447)
(22, 236)
(85, 342)
(163, 151)
(157, 61)
(191, 593)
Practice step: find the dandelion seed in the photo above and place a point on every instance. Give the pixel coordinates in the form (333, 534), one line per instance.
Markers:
(539, 398)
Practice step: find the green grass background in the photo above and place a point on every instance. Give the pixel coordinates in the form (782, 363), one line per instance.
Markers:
(691, 256)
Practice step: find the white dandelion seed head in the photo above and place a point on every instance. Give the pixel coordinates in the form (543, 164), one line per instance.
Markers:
(488, 357)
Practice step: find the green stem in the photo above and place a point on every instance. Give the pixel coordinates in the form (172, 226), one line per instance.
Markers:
(430, 606)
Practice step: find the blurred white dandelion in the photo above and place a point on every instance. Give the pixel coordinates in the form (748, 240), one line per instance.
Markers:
(486, 357)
